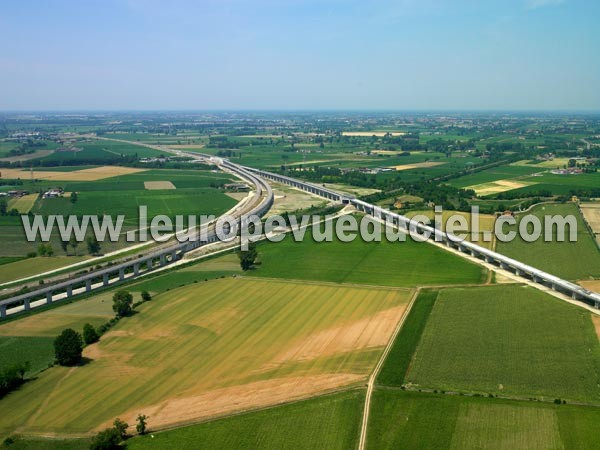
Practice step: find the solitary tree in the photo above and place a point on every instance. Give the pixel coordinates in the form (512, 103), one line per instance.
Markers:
(68, 347)
(248, 257)
(93, 245)
(141, 423)
(73, 197)
(42, 250)
(90, 335)
(146, 296)
(122, 301)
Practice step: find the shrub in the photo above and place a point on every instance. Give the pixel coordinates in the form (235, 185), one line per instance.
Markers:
(90, 335)
(146, 296)
(108, 439)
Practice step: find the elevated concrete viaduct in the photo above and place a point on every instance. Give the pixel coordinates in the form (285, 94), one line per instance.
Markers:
(108, 276)
(520, 269)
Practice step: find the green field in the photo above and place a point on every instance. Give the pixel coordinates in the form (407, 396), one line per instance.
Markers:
(409, 420)
(99, 150)
(330, 422)
(196, 193)
(37, 351)
(169, 202)
(378, 263)
(22, 268)
(398, 360)
(583, 256)
(505, 172)
(199, 351)
(509, 340)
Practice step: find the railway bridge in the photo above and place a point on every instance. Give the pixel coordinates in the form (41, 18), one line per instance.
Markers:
(127, 270)
(520, 269)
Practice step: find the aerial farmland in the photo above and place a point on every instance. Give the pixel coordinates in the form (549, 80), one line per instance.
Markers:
(300, 225)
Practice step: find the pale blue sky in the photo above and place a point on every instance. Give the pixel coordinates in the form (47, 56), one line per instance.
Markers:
(300, 54)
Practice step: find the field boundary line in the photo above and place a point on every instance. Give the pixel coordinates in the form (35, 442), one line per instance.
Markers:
(371, 385)
(332, 283)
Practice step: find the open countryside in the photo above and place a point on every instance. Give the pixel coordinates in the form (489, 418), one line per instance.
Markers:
(334, 225)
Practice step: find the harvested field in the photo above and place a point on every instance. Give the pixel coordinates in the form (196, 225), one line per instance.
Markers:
(591, 213)
(23, 204)
(253, 395)
(327, 422)
(211, 349)
(596, 321)
(158, 185)
(495, 187)
(592, 285)
(97, 173)
(418, 165)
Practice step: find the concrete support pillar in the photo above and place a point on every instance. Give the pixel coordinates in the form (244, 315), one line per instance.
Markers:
(26, 305)
(136, 269)
(163, 259)
(174, 255)
(3, 311)
(121, 274)
(553, 286)
(48, 298)
(149, 263)
(69, 291)
(105, 279)
(574, 295)
(88, 285)
(597, 304)
(518, 272)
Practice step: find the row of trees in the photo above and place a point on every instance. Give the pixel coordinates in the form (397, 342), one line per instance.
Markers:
(112, 438)
(93, 247)
(68, 346)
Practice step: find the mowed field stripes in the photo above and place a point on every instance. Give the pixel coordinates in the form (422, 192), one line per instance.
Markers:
(213, 348)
